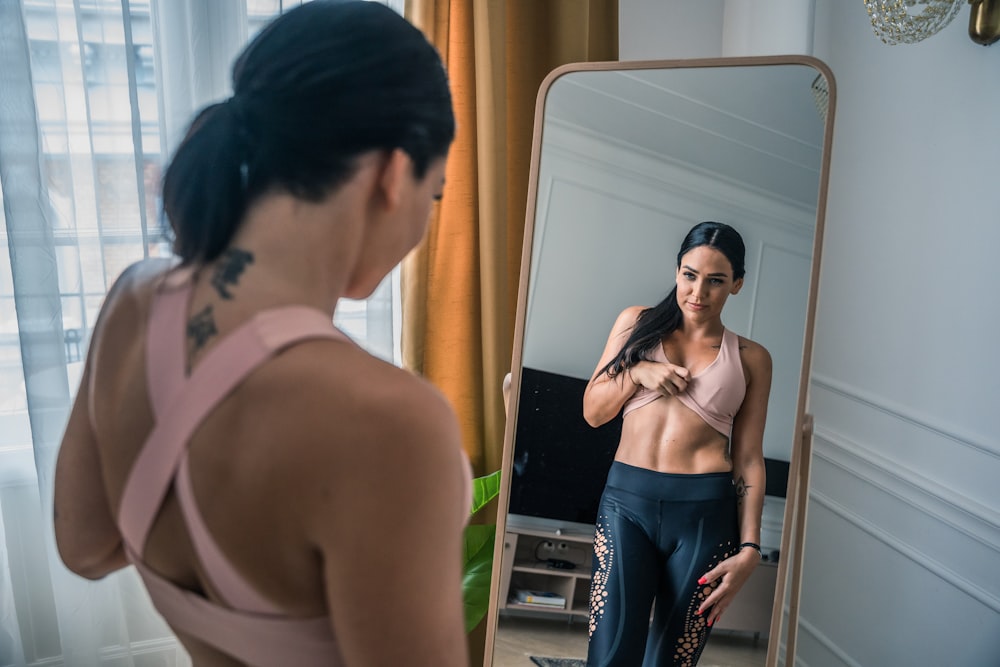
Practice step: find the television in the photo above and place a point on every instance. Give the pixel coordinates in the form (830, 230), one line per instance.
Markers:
(560, 461)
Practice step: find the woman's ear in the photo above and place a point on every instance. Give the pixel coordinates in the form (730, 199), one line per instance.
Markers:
(396, 172)
(737, 286)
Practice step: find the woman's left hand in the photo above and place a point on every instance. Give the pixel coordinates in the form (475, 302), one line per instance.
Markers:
(731, 574)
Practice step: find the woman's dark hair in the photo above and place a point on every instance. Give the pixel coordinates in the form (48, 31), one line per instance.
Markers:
(665, 317)
(317, 87)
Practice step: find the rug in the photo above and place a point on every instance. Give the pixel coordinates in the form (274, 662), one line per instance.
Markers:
(558, 662)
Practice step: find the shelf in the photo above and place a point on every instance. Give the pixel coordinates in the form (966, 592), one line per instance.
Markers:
(578, 572)
(520, 606)
(553, 535)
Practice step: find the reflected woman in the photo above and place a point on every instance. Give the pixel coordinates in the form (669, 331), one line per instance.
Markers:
(678, 525)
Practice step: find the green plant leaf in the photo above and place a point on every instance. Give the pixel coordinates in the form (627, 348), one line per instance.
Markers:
(484, 489)
(477, 572)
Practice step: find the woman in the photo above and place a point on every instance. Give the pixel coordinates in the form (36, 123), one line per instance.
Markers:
(679, 520)
(287, 498)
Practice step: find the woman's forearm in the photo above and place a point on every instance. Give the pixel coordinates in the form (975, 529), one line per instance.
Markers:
(750, 480)
(605, 396)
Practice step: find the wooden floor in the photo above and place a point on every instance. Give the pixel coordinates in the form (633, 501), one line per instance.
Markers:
(519, 638)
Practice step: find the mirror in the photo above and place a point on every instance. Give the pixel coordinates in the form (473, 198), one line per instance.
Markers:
(627, 157)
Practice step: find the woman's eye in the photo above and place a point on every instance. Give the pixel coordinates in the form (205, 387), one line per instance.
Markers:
(689, 275)
(716, 281)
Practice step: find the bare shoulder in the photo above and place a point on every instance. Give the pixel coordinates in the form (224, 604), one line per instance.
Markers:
(135, 285)
(755, 356)
(627, 318)
(355, 427)
(352, 411)
(125, 307)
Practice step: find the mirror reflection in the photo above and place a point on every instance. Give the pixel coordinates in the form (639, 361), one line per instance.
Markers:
(630, 160)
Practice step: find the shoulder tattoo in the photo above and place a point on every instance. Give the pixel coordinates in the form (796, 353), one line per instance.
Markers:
(200, 328)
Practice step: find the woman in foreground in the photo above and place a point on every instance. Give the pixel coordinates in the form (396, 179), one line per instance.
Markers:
(678, 527)
(287, 498)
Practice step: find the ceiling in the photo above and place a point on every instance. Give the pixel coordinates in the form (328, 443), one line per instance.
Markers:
(756, 125)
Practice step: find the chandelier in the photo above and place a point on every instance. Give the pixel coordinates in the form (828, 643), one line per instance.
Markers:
(898, 22)
(910, 21)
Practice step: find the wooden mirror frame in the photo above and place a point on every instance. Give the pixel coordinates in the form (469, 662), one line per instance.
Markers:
(797, 493)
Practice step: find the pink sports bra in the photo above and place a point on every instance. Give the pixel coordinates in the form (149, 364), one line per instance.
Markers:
(715, 393)
(250, 628)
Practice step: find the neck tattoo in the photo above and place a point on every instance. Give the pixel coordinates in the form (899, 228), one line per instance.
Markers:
(230, 265)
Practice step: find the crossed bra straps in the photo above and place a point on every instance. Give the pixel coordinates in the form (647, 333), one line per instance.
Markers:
(251, 628)
(715, 393)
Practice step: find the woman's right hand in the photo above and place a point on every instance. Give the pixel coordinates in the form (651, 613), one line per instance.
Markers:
(666, 378)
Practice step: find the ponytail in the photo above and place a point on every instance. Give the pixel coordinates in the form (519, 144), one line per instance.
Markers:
(320, 85)
(205, 188)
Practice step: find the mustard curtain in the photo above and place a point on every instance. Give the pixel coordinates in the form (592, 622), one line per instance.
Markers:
(460, 284)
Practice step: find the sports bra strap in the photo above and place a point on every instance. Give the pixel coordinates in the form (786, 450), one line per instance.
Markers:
(164, 348)
(222, 369)
(278, 329)
(254, 639)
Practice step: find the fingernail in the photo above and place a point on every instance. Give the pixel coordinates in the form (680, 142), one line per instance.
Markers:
(703, 580)
(699, 611)
(710, 624)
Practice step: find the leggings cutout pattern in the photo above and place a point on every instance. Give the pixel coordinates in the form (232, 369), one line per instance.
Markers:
(690, 644)
(656, 535)
(604, 554)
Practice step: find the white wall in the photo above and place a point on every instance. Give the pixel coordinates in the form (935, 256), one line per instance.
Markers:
(903, 530)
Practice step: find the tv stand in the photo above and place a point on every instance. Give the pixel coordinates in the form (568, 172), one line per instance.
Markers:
(534, 560)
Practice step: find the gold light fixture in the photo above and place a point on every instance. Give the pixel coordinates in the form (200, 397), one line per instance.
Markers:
(984, 21)
(911, 21)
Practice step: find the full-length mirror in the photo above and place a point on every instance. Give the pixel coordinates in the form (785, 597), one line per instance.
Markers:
(627, 157)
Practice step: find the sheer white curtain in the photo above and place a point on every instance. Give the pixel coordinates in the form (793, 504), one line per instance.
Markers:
(94, 94)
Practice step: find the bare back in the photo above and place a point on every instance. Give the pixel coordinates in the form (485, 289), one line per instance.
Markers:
(280, 467)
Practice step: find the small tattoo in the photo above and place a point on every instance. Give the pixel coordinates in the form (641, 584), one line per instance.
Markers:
(742, 488)
(200, 328)
(231, 264)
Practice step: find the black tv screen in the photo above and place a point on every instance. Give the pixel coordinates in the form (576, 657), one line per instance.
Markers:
(560, 462)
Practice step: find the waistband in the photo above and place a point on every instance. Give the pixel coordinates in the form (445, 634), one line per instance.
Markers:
(670, 486)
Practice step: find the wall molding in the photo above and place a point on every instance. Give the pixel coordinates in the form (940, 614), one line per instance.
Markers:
(903, 548)
(935, 500)
(948, 431)
(581, 145)
(958, 510)
(816, 635)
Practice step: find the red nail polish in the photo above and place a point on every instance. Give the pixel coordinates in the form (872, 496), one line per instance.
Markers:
(703, 580)
(710, 624)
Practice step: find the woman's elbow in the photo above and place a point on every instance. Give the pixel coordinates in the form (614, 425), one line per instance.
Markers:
(85, 562)
(595, 416)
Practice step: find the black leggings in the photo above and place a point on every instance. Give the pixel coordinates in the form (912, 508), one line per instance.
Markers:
(657, 534)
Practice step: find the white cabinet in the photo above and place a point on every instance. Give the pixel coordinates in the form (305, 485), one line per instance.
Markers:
(530, 563)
